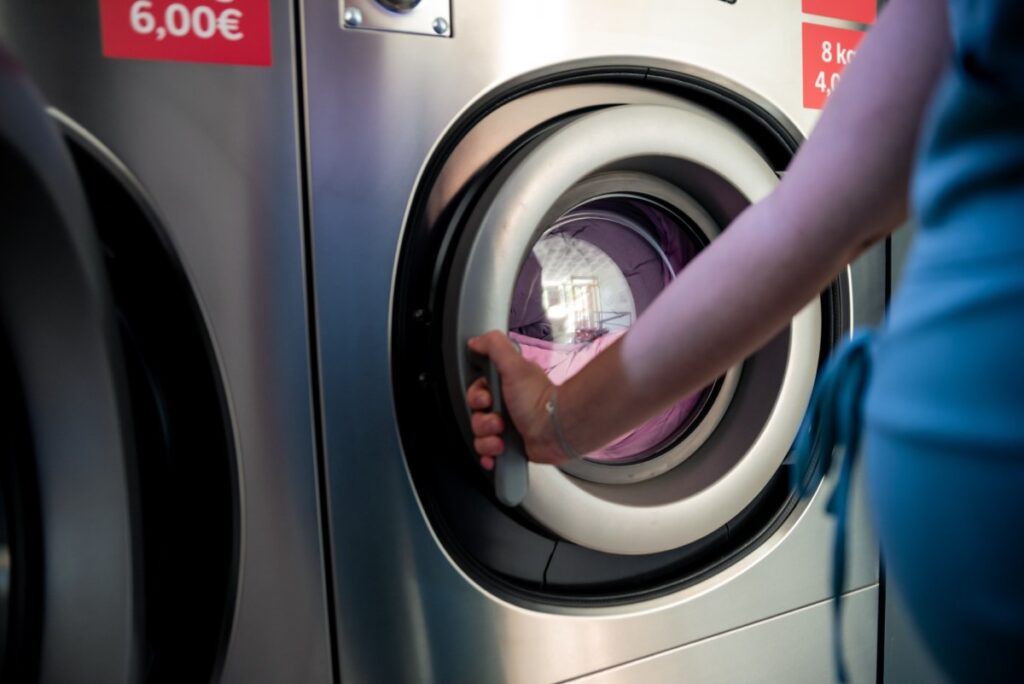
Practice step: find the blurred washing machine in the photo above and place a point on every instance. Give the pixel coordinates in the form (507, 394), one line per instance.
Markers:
(547, 168)
(157, 469)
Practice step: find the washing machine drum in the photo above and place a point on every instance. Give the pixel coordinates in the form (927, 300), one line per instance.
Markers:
(566, 245)
(582, 286)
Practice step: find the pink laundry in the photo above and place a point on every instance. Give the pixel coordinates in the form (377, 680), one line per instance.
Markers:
(563, 360)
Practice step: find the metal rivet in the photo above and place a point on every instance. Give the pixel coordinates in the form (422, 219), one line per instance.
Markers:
(440, 26)
(353, 17)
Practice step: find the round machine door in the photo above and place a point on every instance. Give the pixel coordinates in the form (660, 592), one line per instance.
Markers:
(69, 601)
(118, 484)
(582, 231)
(558, 213)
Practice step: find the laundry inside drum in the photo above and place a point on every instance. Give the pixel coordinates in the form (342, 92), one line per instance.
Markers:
(588, 278)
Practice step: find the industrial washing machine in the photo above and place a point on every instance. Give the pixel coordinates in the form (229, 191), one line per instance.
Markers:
(222, 281)
(546, 168)
(159, 517)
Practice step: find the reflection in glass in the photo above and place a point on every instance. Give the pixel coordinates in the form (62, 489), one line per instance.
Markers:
(585, 294)
(584, 284)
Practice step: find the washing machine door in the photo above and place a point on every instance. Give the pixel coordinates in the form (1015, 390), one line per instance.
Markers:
(120, 476)
(68, 570)
(576, 234)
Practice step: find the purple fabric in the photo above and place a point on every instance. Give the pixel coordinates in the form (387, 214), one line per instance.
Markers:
(647, 276)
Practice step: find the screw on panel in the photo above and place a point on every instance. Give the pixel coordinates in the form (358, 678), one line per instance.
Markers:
(353, 17)
(440, 26)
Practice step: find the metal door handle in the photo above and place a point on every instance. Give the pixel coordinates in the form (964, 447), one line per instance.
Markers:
(511, 473)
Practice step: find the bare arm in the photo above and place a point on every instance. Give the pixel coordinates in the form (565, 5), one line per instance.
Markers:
(846, 188)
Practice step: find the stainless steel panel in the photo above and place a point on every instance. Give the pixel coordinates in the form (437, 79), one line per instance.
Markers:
(794, 648)
(902, 240)
(868, 287)
(377, 104)
(216, 148)
(905, 657)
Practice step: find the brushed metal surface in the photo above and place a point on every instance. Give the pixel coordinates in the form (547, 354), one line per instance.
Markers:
(906, 657)
(216, 148)
(377, 105)
(794, 648)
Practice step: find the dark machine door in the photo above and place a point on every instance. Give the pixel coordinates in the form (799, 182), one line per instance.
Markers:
(68, 598)
(118, 476)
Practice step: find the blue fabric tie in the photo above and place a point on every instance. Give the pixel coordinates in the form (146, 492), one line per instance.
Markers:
(833, 423)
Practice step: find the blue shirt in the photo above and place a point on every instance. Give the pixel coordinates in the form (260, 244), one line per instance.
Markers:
(945, 366)
(943, 410)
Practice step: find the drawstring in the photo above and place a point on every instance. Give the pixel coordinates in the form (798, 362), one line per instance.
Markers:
(833, 422)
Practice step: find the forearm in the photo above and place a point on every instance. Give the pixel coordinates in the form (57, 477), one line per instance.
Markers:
(846, 188)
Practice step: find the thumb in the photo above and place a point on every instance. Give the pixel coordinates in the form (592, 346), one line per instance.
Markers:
(499, 348)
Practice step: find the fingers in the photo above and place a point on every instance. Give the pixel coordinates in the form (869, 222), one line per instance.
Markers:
(487, 427)
(478, 397)
(487, 424)
(489, 446)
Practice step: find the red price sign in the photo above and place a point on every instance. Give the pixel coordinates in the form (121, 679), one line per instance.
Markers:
(827, 50)
(215, 31)
(861, 11)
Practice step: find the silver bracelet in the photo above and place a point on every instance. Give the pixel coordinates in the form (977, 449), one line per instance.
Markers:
(552, 408)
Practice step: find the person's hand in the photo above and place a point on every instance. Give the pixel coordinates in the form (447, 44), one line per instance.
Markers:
(525, 388)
